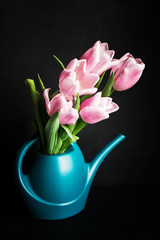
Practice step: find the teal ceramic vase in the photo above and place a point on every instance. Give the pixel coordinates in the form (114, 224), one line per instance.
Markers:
(57, 186)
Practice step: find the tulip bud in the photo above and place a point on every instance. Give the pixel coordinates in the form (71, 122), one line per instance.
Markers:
(129, 71)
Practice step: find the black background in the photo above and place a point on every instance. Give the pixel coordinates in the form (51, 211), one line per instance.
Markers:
(31, 32)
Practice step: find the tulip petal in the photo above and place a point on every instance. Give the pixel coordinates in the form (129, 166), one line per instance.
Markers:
(85, 79)
(68, 84)
(55, 104)
(74, 79)
(89, 91)
(113, 107)
(68, 115)
(92, 57)
(128, 77)
(91, 101)
(98, 58)
(92, 115)
(46, 97)
(97, 108)
(104, 62)
(72, 65)
(129, 71)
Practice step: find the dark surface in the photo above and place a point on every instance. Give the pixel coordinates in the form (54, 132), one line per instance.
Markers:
(31, 31)
(124, 212)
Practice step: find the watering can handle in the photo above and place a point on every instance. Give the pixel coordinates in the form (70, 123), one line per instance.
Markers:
(21, 154)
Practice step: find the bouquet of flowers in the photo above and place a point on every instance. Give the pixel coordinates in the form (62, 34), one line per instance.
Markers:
(61, 116)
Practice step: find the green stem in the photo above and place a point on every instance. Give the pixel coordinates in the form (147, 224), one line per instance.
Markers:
(56, 92)
(41, 83)
(79, 126)
(108, 87)
(59, 61)
(112, 91)
(100, 80)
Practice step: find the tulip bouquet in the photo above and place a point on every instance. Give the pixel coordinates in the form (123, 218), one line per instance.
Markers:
(60, 116)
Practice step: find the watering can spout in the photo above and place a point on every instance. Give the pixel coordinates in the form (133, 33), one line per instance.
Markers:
(96, 162)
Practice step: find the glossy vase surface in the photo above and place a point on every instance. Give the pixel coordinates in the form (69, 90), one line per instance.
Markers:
(59, 178)
(57, 186)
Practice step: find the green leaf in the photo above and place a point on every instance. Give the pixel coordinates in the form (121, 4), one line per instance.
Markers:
(69, 132)
(100, 80)
(54, 94)
(43, 87)
(116, 71)
(77, 103)
(41, 83)
(67, 140)
(66, 144)
(62, 133)
(58, 145)
(79, 126)
(74, 101)
(51, 129)
(42, 110)
(39, 108)
(59, 61)
(84, 97)
(107, 90)
(55, 142)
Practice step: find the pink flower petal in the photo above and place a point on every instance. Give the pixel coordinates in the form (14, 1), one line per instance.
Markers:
(55, 104)
(98, 58)
(72, 65)
(97, 108)
(129, 71)
(46, 97)
(91, 101)
(68, 115)
(74, 79)
(92, 115)
(89, 91)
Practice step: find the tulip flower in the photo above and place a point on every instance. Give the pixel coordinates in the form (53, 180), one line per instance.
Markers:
(74, 79)
(98, 58)
(97, 108)
(129, 71)
(67, 114)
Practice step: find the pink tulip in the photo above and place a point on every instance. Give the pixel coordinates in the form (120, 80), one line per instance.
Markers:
(98, 58)
(129, 71)
(97, 108)
(67, 114)
(74, 79)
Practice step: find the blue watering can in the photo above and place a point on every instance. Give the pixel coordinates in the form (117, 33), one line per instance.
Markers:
(57, 186)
